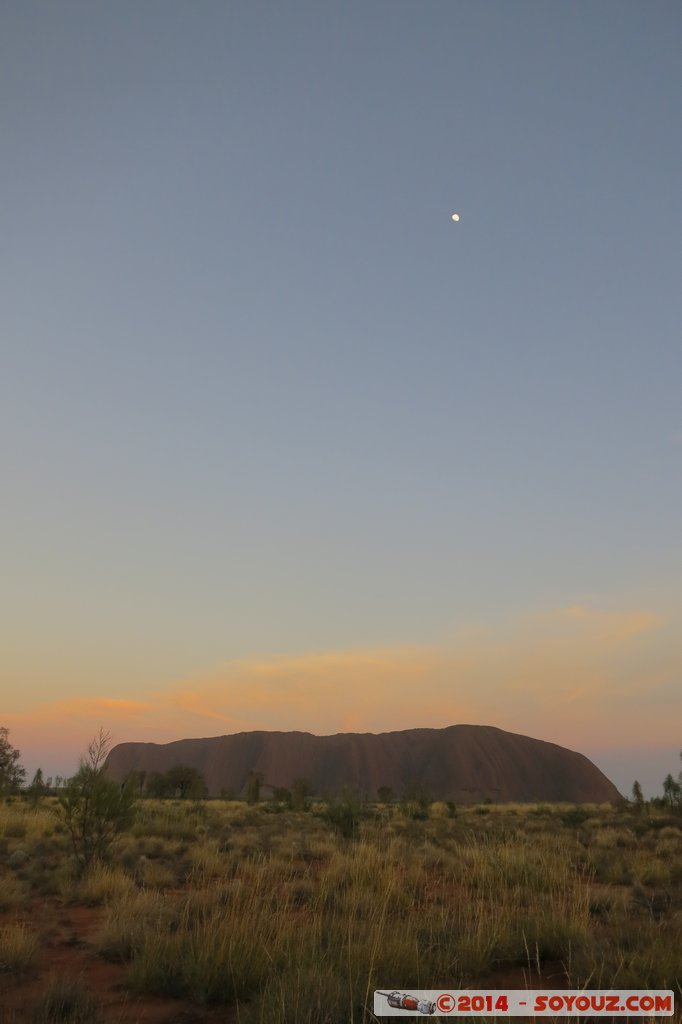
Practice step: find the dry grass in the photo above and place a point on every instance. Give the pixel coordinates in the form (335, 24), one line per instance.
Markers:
(65, 1001)
(129, 923)
(12, 892)
(18, 947)
(103, 884)
(283, 916)
(20, 820)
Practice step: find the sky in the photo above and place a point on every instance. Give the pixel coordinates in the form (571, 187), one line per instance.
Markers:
(284, 447)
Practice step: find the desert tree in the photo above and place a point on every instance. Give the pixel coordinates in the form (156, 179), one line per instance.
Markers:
(12, 775)
(281, 795)
(37, 788)
(135, 780)
(637, 795)
(672, 791)
(93, 807)
(301, 791)
(181, 781)
(254, 782)
(186, 782)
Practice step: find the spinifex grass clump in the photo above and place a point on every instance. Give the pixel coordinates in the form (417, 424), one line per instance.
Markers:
(18, 948)
(284, 915)
(12, 892)
(357, 916)
(66, 1001)
(216, 953)
(21, 820)
(130, 923)
(103, 884)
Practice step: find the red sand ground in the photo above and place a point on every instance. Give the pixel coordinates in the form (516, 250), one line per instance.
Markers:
(68, 951)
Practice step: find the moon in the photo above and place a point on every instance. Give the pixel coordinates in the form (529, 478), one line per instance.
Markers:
(455, 217)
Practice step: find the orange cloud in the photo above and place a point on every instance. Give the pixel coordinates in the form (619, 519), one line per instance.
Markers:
(575, 676)
(325, 691)
(86, 707)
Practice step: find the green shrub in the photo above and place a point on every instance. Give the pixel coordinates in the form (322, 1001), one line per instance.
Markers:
(345, 814)
(93, 808)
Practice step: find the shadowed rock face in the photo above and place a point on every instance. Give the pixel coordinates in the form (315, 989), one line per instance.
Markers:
(464, 763)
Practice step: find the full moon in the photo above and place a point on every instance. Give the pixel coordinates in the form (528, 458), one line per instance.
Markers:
(455, 217)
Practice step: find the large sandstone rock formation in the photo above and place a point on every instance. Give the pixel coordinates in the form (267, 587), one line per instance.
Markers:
(465, 763)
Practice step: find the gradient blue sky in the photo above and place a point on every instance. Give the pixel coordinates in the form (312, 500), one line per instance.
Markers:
(261, 398)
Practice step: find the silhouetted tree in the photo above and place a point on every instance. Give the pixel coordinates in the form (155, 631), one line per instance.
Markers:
(672, 791)
(186, 782)
(12, 775)
(637, 795)
(93, 807)
(180, 781)
(37, 787)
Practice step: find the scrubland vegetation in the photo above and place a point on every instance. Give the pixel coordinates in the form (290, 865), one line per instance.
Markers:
(288, 917)
(292, 911)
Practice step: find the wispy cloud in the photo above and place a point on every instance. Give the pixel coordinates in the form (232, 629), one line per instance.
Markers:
(577, 676)
(604, 627)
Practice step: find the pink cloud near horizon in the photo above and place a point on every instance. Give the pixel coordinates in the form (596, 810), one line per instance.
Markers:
(583, 678)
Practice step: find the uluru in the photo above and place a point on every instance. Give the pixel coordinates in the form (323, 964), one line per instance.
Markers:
(464, 763)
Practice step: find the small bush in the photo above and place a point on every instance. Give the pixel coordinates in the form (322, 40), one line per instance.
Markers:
(104, 885)
(18, 948)
(12, 892)
(66, 1001)
(129, 923)
(575, 817)
(345, 814)
(307, 995)
(93, 808)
